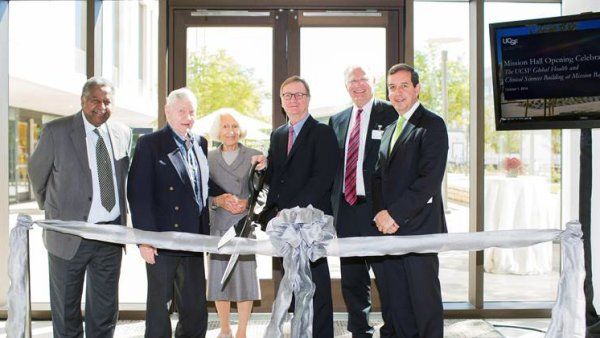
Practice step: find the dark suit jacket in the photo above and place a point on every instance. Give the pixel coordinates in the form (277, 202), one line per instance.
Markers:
(159, 189)
(61, 178)
(406, 180)
(306, 175)
(382, 114)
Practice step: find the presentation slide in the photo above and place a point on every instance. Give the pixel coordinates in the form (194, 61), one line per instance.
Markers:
(550, 65)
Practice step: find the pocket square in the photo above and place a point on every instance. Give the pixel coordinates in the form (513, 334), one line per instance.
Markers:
(161, 162)
(430, 200)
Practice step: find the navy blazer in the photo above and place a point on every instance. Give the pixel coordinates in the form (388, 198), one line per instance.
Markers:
(408, 181)
(159, 190)
(382, 114)
(305, 176)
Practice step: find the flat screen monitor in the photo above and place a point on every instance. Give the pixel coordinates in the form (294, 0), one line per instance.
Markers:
(546, 73)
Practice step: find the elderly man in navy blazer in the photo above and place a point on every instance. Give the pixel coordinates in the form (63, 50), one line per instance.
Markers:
(300, 170)
(167, 188)
(407, 200)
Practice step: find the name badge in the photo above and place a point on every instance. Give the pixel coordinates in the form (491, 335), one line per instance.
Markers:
(376, 134)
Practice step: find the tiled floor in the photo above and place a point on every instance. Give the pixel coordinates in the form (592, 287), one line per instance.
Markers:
(517, 328)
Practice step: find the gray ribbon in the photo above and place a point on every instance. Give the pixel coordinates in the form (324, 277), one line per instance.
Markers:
(304, 235)
(300, 236)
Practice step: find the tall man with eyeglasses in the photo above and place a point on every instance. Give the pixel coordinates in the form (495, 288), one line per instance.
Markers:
(78, 172)
(300, 172)
(359, 129)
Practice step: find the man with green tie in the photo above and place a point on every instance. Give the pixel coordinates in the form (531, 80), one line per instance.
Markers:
(407, 200)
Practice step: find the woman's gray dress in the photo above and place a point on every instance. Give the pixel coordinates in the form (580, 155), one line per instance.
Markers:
(243, 282)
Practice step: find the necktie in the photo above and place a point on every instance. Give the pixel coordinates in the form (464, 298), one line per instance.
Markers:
(352, 161)
(290, 139)
(397, 132)
(194, 172)
(105, 174)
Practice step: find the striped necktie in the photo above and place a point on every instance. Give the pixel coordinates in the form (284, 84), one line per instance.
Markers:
(352, 161)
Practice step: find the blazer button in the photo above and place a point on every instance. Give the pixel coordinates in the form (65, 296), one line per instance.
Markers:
(176, 225)
(89, 198)
(171, 188)
(176, 208)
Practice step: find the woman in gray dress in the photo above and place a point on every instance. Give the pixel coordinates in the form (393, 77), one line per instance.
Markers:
(229, 168)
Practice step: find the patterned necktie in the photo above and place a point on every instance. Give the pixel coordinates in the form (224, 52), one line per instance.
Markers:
(194, 172)
(352, 161)
(397, 132)
(105, 173)
(290, 139)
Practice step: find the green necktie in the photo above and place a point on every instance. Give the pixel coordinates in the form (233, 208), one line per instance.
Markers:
(397, 132)
(105, 174)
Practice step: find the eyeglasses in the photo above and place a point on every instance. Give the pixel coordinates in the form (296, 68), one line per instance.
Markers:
(297, 96)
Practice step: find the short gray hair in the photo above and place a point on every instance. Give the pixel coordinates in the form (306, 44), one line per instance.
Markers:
(180, 94)
(215, 128)
(93, 82)
(352, 68)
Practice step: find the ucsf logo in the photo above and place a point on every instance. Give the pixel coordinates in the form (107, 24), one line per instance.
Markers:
(509, 41)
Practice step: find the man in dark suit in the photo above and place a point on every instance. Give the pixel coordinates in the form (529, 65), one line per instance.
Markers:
(407, 200)
(359, 129)
(168, 186)
(78, 172)
(300, 172)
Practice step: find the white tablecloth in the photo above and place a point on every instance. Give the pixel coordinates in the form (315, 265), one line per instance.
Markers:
(521, 202)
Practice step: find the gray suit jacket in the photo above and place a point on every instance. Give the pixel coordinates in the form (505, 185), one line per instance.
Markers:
(62, 180)
(234, 180)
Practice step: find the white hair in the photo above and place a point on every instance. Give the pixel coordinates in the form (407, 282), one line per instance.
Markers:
(182, 94)
(368, 73)
(215, 128)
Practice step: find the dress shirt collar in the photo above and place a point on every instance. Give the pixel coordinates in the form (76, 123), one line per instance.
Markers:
(298, 126)
(366, 108)
(89, 128)
(411, 111)
(178, 139)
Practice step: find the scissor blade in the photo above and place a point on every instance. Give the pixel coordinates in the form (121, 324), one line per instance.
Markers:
(228, 236)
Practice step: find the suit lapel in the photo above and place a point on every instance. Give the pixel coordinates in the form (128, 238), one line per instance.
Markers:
(409, 126)
(301, 137)
(373, 120)
(177, 160)
(80, 145)
(239, 160)
(343, 127)
(384, 148)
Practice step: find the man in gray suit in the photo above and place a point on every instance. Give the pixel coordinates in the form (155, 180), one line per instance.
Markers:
(78, 172)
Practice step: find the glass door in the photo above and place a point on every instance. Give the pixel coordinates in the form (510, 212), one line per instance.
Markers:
(238, 59)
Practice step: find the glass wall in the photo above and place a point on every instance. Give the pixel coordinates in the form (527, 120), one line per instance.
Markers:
(442, 60)
(522, 187)
(129, 59)
(46, 73)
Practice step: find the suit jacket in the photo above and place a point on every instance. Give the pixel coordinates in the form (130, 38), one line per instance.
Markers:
(233, 178)
(408, 181)
(382, 114)
(305, 176)
(159, 189)
(62, 180)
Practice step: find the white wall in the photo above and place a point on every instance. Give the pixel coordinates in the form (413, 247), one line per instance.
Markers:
(571, 167)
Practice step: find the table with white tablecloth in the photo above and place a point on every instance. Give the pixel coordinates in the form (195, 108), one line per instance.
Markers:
(522, 202)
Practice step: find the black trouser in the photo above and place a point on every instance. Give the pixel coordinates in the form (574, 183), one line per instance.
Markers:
(415, 296)
(186, 273)
(354, 221)
(100, 264)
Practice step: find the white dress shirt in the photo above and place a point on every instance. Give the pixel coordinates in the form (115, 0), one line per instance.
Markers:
(97, 212)
(365, 116)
